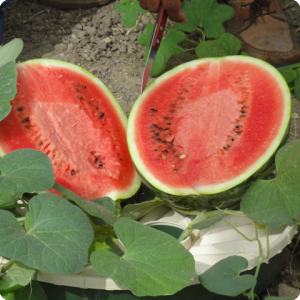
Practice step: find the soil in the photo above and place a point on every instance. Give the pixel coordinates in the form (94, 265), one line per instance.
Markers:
(97, 40)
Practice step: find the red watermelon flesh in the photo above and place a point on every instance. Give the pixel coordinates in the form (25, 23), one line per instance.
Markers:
(208, 125)
(70, 115)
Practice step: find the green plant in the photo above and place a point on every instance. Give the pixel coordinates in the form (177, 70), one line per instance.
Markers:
(208, 22)
(58, 234)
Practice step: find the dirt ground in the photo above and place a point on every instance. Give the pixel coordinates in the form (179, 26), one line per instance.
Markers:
(77, 36)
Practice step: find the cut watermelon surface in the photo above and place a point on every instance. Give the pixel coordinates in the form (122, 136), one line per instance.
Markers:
(207, 126)
(69, 114)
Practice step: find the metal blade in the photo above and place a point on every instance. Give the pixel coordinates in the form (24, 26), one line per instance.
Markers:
(150, 61)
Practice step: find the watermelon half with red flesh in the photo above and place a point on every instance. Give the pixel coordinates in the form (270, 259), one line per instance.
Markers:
(202, 132)
(69, 114)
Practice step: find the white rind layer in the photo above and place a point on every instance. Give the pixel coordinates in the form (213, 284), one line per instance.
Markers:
(115, 195)
(208, 189)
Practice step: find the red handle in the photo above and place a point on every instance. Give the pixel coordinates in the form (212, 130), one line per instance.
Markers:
(159, 28)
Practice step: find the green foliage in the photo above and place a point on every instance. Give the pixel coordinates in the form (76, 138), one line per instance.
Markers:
(276, 202)
(26, 170)
(9, 198)
(33, 291)
(57, 241)
(224, 277)
(227, 44)
(136, 211)
(167, 48)
(92, 207)
(154, 263)
(11, 51)
(18, 275)
(130, 10)
(207, 14)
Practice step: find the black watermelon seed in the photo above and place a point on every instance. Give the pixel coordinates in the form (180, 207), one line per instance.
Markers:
(20, 109)
(242, 116)
(101, 165)
(101, 115)
(84, 86)
(239, 131)
(156, 134)
(91, 104)
(153, 109)
(165, 142)
(228, 146)
(232, 139)
(157, 159)
(225, 148)
(180, 98)
(77, 90)
(41, 144)
(96, 159)
(172, 111)
(80, 97)
(152, 115)
(155, 150)
(154, 125)
(175, 169)
(173, 105)
(243, 111)
(25, 120)
(167, 128)
(166, 118)
(96, 107)
(73, 172)
(168, 123)
(152, 137)
(159, 140)
(185, 90)
(152, 131)
(165, 151)
(160, 128)
(121, 158)
(237, 126)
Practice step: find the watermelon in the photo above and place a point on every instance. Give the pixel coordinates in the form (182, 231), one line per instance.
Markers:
(69, 114)
(201, 133)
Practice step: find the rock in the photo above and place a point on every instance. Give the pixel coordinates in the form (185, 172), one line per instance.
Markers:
(70, 46)
(91, 30)
(107, 22)
(108, 40)
(60, 47)
(74, 39)
(296, 284)
(102, 45)
(123, 49)
(68, 16)
(79, 33)
(78, 26)
(108, 54)
(287, 291)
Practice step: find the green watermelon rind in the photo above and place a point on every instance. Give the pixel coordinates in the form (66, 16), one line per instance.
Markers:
(175, 194)
(115, 195)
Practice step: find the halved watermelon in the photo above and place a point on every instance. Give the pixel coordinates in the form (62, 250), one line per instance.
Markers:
(69, 114)
(202, 132)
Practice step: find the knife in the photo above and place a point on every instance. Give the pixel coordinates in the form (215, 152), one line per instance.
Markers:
(157, 35)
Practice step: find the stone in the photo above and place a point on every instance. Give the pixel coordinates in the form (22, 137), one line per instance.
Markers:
(287, 291)
(102, 45)
(123, 49)
(107, 22)
(60, 47)
(74, 39)
(78, 26)
(91, 31)
(70, 46)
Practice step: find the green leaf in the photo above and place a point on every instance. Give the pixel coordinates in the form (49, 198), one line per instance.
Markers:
(33, 291)
(154, 262)
(57, 241)
(208, 222)
(130, 10)
(9, 198)
(168, 47)
(8, 87)
(276, 202)
(27, 222)
(10, 51)
(208, 14)
(136, 211)
(26, 170)
(91, 207)
(106, 202)
(17, 276)
(224, 278)
(297, 84)
(226, 45)
(288, 73)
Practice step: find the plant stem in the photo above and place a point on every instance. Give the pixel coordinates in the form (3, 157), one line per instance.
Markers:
(200, 217)
(233, 212)
(268, 244)
(22, 219)
(192, 41)
(239, 232)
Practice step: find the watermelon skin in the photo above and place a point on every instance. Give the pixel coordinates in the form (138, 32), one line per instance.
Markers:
(226, 194)
(70, 115)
